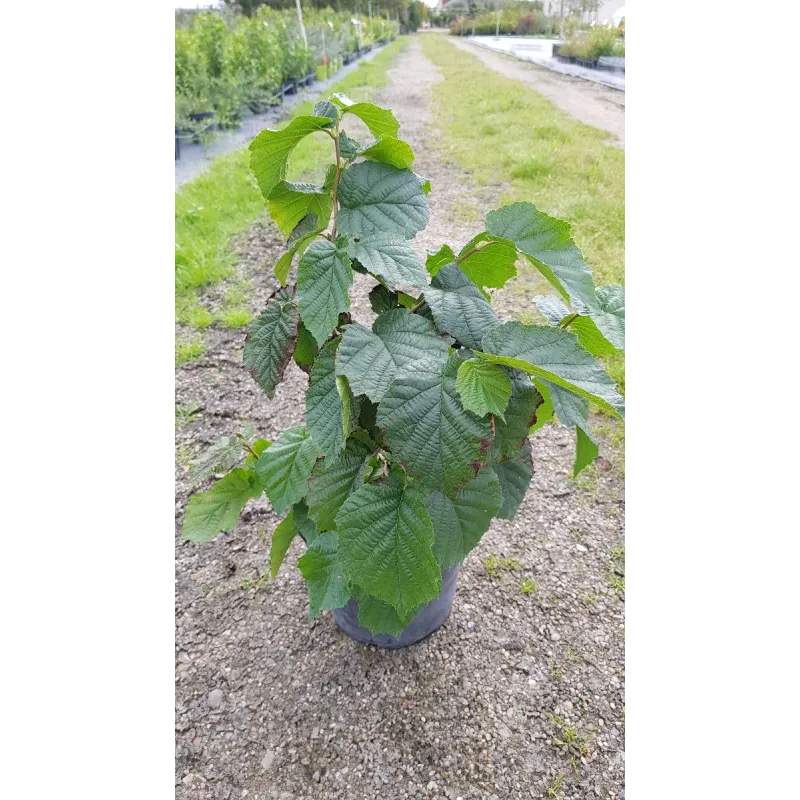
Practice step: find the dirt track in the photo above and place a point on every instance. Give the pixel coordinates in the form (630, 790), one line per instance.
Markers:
(592, 103)
(475, 711)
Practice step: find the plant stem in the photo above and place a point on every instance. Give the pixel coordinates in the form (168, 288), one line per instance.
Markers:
(336, 180)
(468, 254)
(417, 306)
(246, 445)
(567, 320)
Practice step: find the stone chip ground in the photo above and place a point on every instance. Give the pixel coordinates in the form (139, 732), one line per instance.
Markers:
(519, 695)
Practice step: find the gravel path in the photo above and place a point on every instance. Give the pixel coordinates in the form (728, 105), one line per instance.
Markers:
(592, 103)
(517, 695)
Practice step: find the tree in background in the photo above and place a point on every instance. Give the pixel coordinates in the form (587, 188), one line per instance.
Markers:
(416, 14)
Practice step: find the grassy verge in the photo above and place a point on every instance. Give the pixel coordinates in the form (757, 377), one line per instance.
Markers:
(225, 200)
(503, 133)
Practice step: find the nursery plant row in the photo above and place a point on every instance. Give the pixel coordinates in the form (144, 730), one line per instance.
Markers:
(226, 67)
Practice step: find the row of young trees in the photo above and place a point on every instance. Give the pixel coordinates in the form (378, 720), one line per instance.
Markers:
(395, 8)
(520, 17)
(230, 62)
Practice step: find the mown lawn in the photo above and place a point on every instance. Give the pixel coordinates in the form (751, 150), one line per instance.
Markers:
(503, 133)
(225, 200)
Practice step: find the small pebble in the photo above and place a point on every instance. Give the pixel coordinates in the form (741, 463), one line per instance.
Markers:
(215, 698)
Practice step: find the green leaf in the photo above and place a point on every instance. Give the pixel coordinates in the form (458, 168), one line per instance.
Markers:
(258, 447)
(586, 450)
(398, 341)
(488, 261)
(609, 315)
(330, 408)
(407, 300)
(333, 479)
(220, 457)
(270, 150)
(322, 569)
(379, 617)
(348, 148)
(545, 411)
(459, 524)
(570, 409)
(281, 539)
(289, 203)
(429, 431)
(551, 308)
(324, 108)
(305, 525)
(306, 350)
(389, 258)
(379, 198)
(382, 299)
(511, 433)
(218, 509)
(380, 121)
(439, 258)
(301, 237)
(285, 467)
(458, 306)
(515, 477)
(549, 246)
(271, 340)
(484, 388)
(573, 412)
(584, 328)
(424, 183)
(590, 337)
(385, 540)
(555, 356)
(390, 151)
(324, 278)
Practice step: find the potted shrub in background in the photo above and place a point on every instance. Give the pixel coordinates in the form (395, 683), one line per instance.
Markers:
(416, 428)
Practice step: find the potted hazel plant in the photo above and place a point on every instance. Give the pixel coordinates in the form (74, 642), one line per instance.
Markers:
(416, 429)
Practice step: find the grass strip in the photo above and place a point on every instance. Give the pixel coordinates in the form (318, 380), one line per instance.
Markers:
(503, 133)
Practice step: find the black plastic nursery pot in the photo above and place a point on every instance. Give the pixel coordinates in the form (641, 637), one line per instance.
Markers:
(424, 624)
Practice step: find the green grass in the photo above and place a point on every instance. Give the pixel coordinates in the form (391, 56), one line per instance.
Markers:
(495, 565)
(616, 570)
(527, 586)
(554, 789)
(185, 414)
(187, 350)
(501, 132)
(225, 200)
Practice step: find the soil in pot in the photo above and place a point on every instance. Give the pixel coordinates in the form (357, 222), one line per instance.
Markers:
(425, 623)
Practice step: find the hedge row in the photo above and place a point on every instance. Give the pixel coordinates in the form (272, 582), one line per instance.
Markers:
(513, 20)
(593, 44)
(228, 65)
